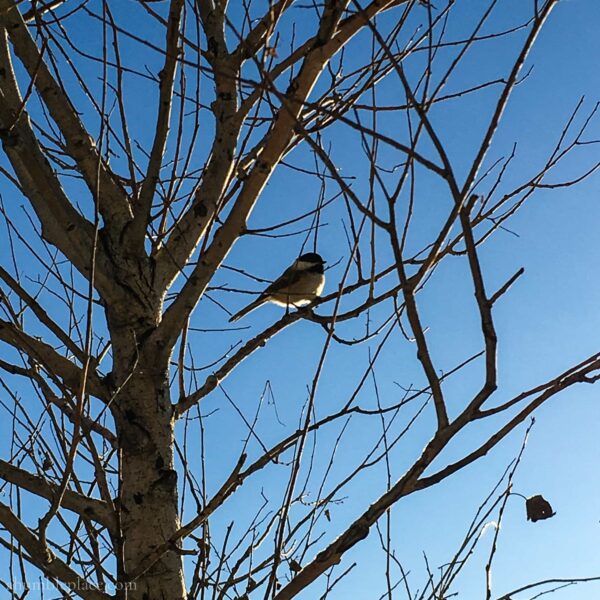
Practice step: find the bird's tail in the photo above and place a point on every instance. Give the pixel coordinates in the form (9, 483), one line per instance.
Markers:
(247, 309)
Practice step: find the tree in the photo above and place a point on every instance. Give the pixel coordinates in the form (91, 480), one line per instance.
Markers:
(142, 137)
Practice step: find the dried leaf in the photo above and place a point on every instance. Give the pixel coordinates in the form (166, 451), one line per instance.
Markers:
(295, 566)
(538, 508)
(48, 463)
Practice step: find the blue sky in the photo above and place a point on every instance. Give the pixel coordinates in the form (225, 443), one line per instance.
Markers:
(548, 321)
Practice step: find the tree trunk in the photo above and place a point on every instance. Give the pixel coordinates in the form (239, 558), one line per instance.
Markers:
(148, 499)
(148, 487)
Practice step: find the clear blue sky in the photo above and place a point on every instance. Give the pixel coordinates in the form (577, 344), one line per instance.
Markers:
(549, 321)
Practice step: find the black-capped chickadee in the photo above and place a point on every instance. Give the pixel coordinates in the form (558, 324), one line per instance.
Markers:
(299, 285)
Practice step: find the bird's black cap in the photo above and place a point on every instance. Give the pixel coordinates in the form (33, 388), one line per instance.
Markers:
(312, 257)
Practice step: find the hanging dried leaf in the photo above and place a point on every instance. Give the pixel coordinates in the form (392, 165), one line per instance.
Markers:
(538, 508)
(48, 463)
(295, 566)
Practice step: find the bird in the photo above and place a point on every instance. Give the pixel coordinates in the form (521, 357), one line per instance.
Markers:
(301, 283)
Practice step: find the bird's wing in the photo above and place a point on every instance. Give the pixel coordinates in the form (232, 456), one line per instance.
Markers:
(290, 276)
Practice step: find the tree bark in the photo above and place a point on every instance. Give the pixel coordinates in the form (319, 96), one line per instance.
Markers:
(148, 498)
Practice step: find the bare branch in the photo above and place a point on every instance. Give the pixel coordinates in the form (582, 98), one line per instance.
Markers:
(87, 507)
(50, 564)
(43, 354)
(79, 144)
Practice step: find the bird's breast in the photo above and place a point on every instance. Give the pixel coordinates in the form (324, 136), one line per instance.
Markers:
(301, 292)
